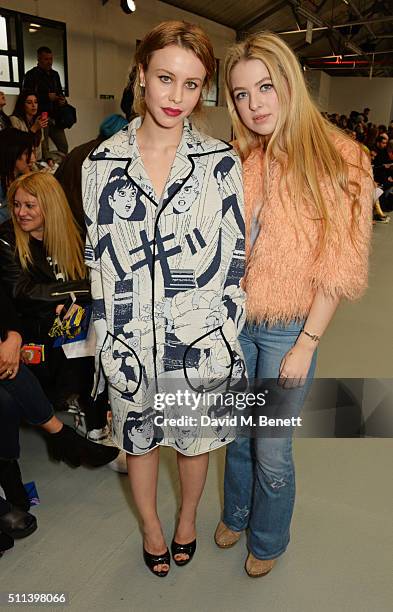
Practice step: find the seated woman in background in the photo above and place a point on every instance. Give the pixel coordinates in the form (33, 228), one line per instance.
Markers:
(26, 118)
(16, 157)
(22, 398)
(41, 263)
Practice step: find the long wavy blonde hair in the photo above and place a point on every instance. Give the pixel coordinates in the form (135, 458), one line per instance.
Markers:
(302, 141)
(61, 240)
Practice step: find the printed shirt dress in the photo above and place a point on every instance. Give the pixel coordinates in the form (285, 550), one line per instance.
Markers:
(167, 301)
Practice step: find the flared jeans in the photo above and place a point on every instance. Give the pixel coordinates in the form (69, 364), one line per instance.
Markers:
(259, 485)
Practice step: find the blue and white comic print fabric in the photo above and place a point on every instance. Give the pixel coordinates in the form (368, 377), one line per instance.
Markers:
(167, 301)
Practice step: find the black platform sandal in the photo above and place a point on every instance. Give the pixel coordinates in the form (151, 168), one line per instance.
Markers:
(183, 549)
(152, 560)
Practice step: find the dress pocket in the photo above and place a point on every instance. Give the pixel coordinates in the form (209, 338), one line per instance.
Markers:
(121, 365)
(208, 361)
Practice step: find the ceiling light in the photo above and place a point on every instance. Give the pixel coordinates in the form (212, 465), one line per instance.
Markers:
(35, 25)
(128, 6)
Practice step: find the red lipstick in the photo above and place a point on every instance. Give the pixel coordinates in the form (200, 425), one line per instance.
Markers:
(172, 112)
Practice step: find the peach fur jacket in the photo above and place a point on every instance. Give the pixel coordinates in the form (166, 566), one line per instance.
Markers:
(282, 276)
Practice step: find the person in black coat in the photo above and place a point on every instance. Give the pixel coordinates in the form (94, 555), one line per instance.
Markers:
(41, 264)
(22, 399)
(45, 83)
(14, 522)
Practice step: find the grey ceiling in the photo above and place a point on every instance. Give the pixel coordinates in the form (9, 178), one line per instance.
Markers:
(371, 40)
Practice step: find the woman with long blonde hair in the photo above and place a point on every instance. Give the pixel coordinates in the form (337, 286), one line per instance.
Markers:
(57, 231)
(308, 200)
(41, 263)
(41, 255)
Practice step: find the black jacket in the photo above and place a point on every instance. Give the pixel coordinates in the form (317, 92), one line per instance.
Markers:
(43, 83)
(381, 173)
(8, 317)
(35, 292)
(69, 175)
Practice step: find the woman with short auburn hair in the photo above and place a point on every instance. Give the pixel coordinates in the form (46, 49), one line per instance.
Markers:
(165, 245)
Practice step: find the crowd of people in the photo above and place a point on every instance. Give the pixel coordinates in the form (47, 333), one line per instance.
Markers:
(377, 142)
(143, 240)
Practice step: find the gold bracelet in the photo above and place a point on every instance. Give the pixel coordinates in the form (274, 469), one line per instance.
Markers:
(313, 337)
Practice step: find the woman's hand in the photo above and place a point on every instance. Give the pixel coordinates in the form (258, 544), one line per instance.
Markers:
(10, 356)
(296, 364)
(39, 123)
(69, 314)
(43, 121)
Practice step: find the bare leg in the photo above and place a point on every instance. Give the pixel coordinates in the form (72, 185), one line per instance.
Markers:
(143, 474)
(192, 473)
(54, 425)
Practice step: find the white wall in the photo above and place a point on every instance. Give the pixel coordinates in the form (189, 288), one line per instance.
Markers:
(356, 93)
(344, 94)
(324, 90)
(318, 85)
(313, 80)
(101, 44)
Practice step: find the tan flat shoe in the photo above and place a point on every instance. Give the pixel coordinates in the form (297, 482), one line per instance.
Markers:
(258, 567)
(225, 537)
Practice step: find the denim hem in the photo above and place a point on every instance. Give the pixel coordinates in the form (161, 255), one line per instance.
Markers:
(236, 529)
(274, 556)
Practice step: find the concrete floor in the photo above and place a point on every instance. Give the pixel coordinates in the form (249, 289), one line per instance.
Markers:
(340, 559)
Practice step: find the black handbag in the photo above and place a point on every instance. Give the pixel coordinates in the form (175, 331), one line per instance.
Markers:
(65, 116)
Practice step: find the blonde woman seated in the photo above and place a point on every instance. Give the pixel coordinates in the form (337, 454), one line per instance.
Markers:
(41, 263)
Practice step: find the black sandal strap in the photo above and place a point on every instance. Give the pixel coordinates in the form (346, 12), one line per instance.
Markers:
(157, 559)
(153, 560)
(183, 549)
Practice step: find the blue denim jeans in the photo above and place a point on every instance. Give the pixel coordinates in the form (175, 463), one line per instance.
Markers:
(259, 485)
